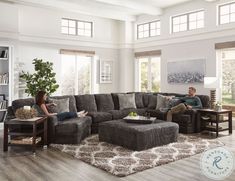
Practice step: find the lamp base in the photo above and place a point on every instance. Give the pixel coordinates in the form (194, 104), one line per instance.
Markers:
(212, 98)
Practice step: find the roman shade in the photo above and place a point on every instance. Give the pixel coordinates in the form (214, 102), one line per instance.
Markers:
(223, 45)
(148, 53)
(77, 52)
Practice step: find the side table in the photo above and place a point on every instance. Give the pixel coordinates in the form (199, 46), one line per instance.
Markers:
(217, 121)
(29, 137)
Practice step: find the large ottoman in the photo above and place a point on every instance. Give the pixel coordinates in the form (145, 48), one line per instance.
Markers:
(138, 136)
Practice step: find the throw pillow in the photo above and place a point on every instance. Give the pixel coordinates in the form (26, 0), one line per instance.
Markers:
(139, 100)
(62, 105)
(161, 101)
(126, 101)
(104, 102)
(86, 102)
(173, 102)
(165, 101)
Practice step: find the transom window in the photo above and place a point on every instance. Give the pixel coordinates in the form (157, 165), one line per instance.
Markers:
(189, 21)
(76, 27)
(227, 13)
(148, 29)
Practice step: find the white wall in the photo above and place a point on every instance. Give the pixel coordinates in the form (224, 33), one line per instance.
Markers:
(35, 33)
(187, 45)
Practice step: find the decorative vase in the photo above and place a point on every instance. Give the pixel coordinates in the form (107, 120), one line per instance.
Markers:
(218, 107)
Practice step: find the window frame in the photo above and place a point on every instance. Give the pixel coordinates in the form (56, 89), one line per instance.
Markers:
(76, 27)
(187, 20)
(68, 26)
(219, 11)
(149, 72)
(149, 29)
(92, 76)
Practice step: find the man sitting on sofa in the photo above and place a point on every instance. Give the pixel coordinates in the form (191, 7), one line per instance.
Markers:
(191, 101)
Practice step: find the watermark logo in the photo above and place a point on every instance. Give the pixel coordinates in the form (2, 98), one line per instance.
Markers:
(217, 163)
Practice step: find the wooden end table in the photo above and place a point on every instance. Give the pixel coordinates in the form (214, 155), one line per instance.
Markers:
(33, 133)
(217, 120)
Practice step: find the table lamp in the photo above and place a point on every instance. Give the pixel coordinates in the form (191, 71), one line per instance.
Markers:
(211, 83)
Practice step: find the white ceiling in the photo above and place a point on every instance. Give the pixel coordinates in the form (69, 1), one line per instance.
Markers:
(113, 9)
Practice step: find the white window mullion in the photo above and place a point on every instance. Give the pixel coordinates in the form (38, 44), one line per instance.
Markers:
(149, 75)
(76, 75)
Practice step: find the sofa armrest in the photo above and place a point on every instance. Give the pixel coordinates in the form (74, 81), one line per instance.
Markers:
(191, 116)
(52, 121)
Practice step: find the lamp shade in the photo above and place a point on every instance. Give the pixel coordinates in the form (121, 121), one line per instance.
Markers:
(211, 82)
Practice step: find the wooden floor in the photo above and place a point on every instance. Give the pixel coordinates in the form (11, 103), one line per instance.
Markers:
(18, 164)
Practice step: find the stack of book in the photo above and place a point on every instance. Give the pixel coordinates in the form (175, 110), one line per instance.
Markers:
(4, 54)
(3, 104)
(25, 140)
(4, 78)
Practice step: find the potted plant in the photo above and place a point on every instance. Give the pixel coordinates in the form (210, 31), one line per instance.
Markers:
(42, 79)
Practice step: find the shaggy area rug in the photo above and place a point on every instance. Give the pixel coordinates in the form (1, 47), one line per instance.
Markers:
(121, 162)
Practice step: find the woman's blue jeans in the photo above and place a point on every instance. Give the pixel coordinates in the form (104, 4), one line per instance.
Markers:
(66, 115)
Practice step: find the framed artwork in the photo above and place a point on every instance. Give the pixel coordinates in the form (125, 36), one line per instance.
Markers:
(106, 72)
(186, 72)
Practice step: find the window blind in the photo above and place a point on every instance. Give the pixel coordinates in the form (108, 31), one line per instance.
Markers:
(148, 53)
(77, 52)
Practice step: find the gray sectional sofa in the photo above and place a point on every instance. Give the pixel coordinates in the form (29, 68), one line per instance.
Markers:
(105, 107)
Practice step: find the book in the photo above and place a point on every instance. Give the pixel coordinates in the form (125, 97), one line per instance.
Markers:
(31, 119)
(3, 104)
(221, 117)
(4, 78)
(4, 54)
(25, 140)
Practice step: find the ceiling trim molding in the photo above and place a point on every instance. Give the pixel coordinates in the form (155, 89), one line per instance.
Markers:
(144, 8)
(81, 9)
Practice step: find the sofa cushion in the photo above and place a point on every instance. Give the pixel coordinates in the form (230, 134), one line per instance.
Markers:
(146, 99)
(126, 101)
(61, 105)
(139, 100)
(116, 100)
(119, 114)
(152, 103)
(157, 113)
(86, 102)
(98, 117)
(104, 102)
(205, 99)
(72, 101)
(161, 101)
(19, 103)
(71, 126)
(173, 102)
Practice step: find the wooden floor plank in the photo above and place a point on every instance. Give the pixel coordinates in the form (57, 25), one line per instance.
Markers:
(49, 164)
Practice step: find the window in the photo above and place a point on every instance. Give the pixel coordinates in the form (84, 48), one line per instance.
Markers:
(227, 63)
(149, 74)
(76, 27)
(84, 28)
(76, 74)
(189, 21)
(148, 29)
(68, 27)
(227, 13)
